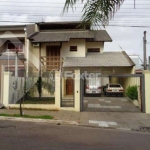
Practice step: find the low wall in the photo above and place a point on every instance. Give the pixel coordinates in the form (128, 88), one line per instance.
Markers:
(12, 94)
(39, 107)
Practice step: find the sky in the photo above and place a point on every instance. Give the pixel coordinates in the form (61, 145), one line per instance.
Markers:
(125, 28)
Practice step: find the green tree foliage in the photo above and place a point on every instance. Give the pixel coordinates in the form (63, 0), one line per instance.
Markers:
(95, 11)
(132, 92)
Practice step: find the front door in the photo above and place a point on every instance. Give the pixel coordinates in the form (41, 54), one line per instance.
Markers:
(69, 86)
(53, 57)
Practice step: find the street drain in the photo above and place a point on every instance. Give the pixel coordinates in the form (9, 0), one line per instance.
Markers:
(144, 129)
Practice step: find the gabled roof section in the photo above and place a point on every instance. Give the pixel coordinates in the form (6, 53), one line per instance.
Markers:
(106, 59)
(65, 36)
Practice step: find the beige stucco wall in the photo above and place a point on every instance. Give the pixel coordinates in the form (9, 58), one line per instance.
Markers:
(64, 49)
(95, 45)
(12, 34)
(77, 91)
(34, 55)
(63, 86)
(147, 93)
(81, 48)
(129, 81)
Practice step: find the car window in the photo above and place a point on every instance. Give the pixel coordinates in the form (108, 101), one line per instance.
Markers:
(114, 85)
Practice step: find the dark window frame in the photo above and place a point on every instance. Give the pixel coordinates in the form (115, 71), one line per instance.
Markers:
(73, 49)
(93, 50)
(15, 46)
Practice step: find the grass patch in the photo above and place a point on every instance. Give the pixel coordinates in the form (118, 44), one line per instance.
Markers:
(28, 116)
(35, 100)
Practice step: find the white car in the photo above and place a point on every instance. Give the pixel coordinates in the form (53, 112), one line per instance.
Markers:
(93, 89)
(113, 89)
(93, 86)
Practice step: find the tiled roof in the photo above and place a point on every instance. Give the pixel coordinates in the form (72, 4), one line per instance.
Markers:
(106, 59)
(64, 36)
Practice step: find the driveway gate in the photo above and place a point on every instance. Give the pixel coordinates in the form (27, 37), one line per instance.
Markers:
(122, 78)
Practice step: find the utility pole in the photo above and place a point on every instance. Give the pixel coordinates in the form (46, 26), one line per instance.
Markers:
(144, 51)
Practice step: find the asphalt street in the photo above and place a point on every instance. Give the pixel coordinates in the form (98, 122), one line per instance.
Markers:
(44, 136)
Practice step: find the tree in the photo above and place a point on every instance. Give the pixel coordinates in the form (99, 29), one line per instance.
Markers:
(95, 11)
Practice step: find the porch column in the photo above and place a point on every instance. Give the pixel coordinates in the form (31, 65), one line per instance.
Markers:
(77, 90)
(57, 89)
(63, 87)
(6, 88)
(147, 92)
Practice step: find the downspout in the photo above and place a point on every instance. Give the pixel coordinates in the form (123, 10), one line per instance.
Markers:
(40, 78)
(39, 59)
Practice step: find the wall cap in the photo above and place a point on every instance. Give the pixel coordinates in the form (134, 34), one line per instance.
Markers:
(8, 73)
(146, 72)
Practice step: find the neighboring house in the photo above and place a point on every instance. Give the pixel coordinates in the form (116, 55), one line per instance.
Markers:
(138, 63)
(12, 39)
(14, 46)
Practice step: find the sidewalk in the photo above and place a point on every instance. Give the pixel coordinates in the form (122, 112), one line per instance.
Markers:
(116, 120)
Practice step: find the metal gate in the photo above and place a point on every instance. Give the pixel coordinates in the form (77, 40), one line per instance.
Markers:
(81, 93)
(119, 76)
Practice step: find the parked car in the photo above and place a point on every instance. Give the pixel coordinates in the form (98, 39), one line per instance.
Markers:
(113, 90)
(91, 89)
(93, 86)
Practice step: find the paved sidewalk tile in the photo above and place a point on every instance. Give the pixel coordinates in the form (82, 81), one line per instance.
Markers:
(120, 120)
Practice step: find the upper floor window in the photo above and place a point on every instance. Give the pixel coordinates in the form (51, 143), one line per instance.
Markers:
(15, 47)
(93, 50)
(73, 48)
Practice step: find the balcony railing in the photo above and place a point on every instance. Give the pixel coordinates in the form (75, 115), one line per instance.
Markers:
(50, 62)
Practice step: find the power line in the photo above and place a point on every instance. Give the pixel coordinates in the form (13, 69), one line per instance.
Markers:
(131, 25)
(114, 25)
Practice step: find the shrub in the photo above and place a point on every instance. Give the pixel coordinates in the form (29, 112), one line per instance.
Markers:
(132, 92)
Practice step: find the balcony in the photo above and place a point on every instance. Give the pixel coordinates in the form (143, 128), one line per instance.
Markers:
(49, 63)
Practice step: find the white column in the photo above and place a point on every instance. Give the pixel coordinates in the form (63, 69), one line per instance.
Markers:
(147, 92)
(57, 89)
(2, 80)
(77, 90)
(6, 88)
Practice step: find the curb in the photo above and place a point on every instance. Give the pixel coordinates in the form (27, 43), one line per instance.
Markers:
(58, 122)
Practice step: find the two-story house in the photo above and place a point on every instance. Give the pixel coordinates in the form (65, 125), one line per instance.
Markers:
(65, 47)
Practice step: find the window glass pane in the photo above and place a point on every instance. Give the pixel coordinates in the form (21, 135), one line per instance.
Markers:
(73, 48)
(93, 50)
(15, 46)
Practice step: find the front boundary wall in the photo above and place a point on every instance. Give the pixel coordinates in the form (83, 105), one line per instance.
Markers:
(145, 84)
(56, 106)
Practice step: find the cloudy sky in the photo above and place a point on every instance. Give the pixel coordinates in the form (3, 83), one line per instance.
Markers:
(126, 28)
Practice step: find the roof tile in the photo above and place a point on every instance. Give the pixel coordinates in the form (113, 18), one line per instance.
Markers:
(106, 59)
(64, 36)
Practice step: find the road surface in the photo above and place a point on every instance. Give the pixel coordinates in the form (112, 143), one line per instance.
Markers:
(44, 136)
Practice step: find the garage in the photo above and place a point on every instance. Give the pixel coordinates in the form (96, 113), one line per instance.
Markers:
(109, 104)
(117, 102)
